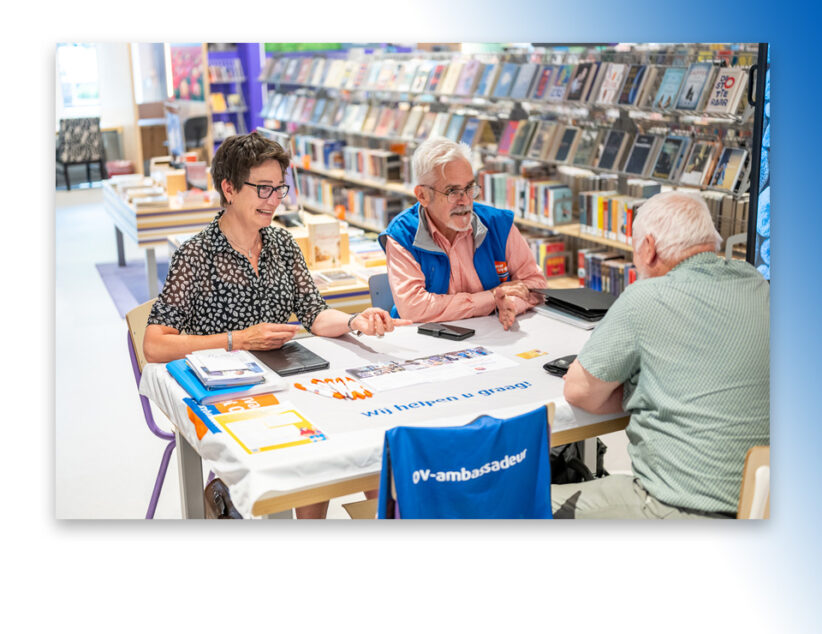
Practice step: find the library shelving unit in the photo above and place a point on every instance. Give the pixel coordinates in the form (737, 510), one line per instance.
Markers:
(234, 93)
(612, 124)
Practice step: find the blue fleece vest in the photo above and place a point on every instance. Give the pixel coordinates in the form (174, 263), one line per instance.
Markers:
(489, 258)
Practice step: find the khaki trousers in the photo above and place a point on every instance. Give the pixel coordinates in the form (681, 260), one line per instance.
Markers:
(615, 497)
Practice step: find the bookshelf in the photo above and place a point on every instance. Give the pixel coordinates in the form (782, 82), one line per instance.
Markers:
(345, 96)
(235, 95)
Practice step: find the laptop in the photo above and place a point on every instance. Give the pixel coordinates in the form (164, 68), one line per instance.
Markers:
(292, 358)
(583, 303)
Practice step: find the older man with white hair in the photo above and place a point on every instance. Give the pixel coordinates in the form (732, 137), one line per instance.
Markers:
(451, 258)
(685, 351)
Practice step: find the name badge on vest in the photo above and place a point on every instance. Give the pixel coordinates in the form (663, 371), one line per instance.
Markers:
(502, 271)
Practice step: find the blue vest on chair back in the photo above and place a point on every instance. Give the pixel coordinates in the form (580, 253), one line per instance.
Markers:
(488, 469)
(435, 264)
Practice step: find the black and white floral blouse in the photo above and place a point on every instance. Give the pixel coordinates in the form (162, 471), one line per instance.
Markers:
(211, 288)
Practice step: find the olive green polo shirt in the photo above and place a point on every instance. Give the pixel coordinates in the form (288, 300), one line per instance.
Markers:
(692, 348)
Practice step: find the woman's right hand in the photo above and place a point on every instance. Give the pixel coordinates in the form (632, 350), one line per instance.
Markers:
(264, 336)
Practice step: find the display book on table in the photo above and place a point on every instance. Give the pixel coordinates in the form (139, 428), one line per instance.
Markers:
(220, 368)
(184, 375)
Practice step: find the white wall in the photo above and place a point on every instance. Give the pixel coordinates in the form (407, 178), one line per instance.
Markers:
(116, 96)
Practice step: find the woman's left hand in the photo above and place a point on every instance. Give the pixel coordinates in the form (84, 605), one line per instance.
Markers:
(376, 321)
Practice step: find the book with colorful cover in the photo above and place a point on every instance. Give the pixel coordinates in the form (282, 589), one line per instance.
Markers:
(700, 163)
(694, 85)
(727, 91)
(426, 126)
(632, 84)
(669, 88)
(543, 140)
(371, 119)
(185, 376)
(525, 78)
(470, 75)
(729, 168)
(434, 79)
(488, 79)
(455, 125)
(507, 137)
(409, 71)
(421, 76)
(587, 146)
(580, 80)
(507, 77)
(412, 122)
(560, 84)
(598, 70)
(611, 83)
(522, 138)
(384, 122)
(448, 85)
(669, 157)
(469, 132)
(543, 82)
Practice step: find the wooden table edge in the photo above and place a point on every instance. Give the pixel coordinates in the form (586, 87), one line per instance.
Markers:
(277, 503)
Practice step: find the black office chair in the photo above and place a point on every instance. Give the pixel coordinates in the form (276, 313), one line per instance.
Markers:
(80, 142)
(195, 130)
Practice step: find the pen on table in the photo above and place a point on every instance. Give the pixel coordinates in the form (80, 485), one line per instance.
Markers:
(330, 383)
(330, 394)
(325, 384)
(362, 389)
(350, 394)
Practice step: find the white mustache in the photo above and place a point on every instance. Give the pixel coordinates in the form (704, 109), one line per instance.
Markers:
(460, 210)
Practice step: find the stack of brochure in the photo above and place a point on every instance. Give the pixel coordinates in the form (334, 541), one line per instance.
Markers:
(219, 368)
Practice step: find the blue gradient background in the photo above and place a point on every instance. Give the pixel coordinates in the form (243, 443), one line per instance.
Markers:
(625, 576)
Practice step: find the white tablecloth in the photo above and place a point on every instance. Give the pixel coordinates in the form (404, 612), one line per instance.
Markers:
(355, 429)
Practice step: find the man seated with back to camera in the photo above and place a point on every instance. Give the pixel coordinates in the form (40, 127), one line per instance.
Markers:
(685, 351)
(451, 258)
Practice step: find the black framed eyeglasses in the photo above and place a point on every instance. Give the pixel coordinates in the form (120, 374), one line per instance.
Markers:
(454, 194)
(265, 191)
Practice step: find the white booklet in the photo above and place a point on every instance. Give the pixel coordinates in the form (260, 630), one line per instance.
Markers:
(220, 368)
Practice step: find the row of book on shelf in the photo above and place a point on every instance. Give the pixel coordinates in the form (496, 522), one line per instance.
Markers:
(223, 129)
(605, 270)
(532, 191)
(227, 102)
(225, 70)
(357, 204)
(688, 160)
(702, 86)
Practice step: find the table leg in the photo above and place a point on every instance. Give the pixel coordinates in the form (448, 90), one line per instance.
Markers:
(151, 273)
(190, 468)
(121, 253)
(589, 454)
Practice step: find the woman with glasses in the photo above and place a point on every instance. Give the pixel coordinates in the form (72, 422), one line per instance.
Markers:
(449, 257)
(236, 283)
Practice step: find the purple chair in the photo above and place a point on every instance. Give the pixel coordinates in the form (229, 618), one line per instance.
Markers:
(164, 435)
(136, 319)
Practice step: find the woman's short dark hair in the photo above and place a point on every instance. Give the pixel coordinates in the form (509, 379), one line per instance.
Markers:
(237, 155)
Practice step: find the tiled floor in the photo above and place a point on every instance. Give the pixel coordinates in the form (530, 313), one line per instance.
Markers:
(106, 458)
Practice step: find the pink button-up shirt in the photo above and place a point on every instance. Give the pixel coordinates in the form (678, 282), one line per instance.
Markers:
(466, 297)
